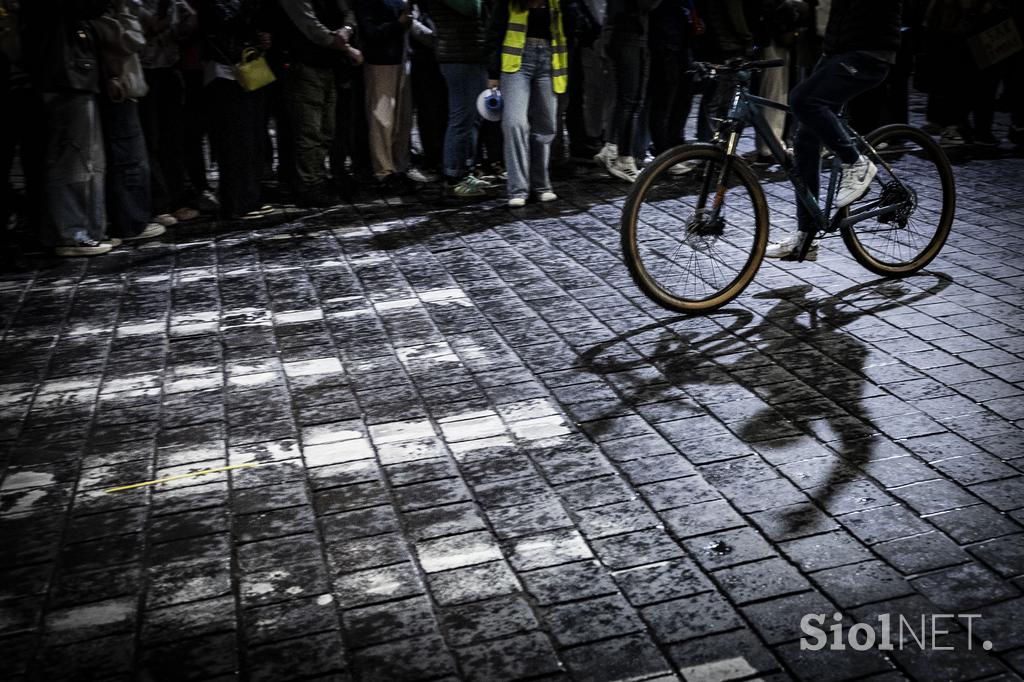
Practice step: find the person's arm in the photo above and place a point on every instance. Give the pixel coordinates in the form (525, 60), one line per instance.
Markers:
(495, 37)
(373, 25)
(300, 13)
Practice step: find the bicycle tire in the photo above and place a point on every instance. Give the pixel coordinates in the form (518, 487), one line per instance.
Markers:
(913, 258)
(633, 253)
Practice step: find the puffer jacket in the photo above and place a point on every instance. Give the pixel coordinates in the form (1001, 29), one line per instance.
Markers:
(460, 35)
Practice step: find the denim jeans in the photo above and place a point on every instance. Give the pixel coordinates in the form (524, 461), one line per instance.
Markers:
(465, 82)
(528, 121)
(815, 102)
(129, 204)
(75, 168)
(237, 125)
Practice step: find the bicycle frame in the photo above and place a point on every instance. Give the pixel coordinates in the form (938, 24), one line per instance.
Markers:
(747, 109)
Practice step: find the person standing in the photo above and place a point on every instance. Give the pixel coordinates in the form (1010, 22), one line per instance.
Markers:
(460, 53)
(384, 27)
(529, 59)
(670, 93)
(60, 56)
(626, 31)
(317, 42)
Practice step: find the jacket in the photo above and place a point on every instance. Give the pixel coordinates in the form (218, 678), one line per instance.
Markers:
(727, 27)
(384, 38)
(863, 26)
(228, 27)
(627, 21)
(306, 32)
(460, 31)
(576, 22)
(59, 49)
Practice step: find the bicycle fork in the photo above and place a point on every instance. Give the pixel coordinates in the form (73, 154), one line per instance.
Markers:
(720, 187)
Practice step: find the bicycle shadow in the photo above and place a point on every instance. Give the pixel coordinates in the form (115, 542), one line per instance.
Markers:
(825, 400)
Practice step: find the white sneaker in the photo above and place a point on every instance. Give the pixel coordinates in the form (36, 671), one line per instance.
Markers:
(152, 230)
(857, 177)
(517, 202)
(951, 136)
(420, 176)
(609, 152)
(683, 168)
(789, 246)
(165, 219)
(545, 197)
(624, 167)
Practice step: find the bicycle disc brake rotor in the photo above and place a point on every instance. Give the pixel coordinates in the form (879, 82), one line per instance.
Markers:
(895, 194)
(701, 231)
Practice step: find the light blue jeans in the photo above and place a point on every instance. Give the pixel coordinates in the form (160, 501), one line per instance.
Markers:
(465, 82)
(528, 121)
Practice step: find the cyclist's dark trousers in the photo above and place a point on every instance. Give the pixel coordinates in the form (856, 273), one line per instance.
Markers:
(816, 102)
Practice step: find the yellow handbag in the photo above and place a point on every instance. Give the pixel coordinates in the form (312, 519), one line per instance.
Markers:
(253, 72)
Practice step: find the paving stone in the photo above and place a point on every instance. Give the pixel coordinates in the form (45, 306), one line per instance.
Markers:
(693, 616)
(965, 587)
(920, 553)
(306, 656)
(568, 582)
(617, 659)
(703, 518)
(406, 659)
(473, 583)
(883, 523)
(728, 548)
(294, 618)
(194, 658)
(974, 524)
(548, 549)
(491, 619)
(829, 665)
(515, 657)
(724, 656)
(591, 620)
(390, 621)
(778, 620)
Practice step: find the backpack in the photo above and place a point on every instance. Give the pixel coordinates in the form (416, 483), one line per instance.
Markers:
(120, 38)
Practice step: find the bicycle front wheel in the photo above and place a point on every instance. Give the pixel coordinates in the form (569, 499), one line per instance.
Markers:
(694, 228)
(917, 180)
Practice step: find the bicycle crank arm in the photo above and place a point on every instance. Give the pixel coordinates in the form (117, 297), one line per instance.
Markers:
(866, 215)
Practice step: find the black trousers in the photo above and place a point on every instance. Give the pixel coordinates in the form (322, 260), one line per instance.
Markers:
(161, 113)
(129, 205)
(238, 123)
(631, 65)
(670, 97)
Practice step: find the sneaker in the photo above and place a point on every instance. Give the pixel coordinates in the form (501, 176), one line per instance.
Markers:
(624, 167)
(470, 186)
(758, 159)
(608, 153)
(165, 219)
(152, 230)
(683, 168)
(547, 196)
(788, 248)
(517, 202)
(951, 136)
(185, 214)
(420, 176)
(857, 177)
(83, 247)
(113, 241)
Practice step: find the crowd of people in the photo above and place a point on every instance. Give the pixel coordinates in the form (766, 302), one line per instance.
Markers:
(118, 109)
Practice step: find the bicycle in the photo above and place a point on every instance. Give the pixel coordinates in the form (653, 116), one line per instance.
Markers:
(695, 224)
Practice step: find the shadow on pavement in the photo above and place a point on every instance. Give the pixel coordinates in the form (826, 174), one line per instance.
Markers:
(687, 361)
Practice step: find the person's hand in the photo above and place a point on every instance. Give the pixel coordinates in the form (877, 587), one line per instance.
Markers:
(265, 41)
(405, 18)
(354, 55)
(493, 84)
(339, 40)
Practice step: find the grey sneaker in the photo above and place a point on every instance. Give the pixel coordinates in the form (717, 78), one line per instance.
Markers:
(152, 230)
(856, 179)
(470, 186)
(624, 168)
(83, 247)
(790, 246)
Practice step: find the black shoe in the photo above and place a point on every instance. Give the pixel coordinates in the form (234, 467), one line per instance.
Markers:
(83, 247)
(985, 139)
(319, 197)
(398, 184)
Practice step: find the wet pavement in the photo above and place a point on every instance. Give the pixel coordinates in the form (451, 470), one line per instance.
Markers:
(456, 442)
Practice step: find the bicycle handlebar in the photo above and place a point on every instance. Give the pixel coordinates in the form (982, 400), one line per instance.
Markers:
(735, 65)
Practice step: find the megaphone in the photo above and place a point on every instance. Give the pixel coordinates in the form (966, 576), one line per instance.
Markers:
(489, 104)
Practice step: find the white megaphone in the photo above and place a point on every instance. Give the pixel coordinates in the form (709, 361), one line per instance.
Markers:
(489, 104)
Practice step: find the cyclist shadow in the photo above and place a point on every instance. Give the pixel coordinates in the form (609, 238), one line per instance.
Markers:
(824, 400)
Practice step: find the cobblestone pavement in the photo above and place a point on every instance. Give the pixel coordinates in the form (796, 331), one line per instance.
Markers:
(461, 445)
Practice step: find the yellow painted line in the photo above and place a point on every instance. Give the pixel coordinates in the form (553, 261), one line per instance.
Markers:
(204, 472)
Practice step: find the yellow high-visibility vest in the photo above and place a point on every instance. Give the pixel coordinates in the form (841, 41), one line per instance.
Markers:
(515, 41)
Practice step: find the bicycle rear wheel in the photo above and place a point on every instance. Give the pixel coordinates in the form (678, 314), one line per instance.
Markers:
(919, 181)
(679, 254)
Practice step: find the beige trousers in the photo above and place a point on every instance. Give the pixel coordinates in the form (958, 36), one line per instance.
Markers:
(389, 112)
(775, 86)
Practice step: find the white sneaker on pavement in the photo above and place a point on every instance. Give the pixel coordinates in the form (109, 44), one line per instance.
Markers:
(547, 196)
(856, 179)
(624, 168)
(789, 246)
(609, 152)
(517, 202)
